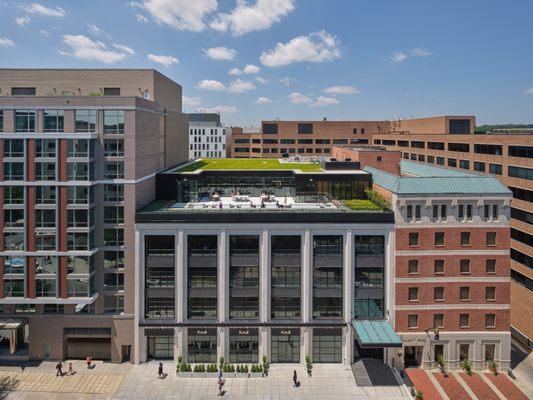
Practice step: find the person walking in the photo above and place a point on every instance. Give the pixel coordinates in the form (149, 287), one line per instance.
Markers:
(219, 373)
(70, 369)
(295, 379)
(160, 371)
(89, 360)
(220, 384)
(59, 368)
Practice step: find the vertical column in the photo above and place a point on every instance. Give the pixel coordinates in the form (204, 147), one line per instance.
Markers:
(180, 343)
(389, 278)
(62, 216)
(307, 295)
(348, 296)
(181, 286)
(139, 339)
(223, 294)
(264, 292)
(30, 218)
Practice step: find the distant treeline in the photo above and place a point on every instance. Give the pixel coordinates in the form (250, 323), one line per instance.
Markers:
(487, 128)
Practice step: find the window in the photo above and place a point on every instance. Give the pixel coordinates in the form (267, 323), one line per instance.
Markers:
(413, 294)
(439, 238)
(490, 266)
(465, 212)
(113, 259)
(113, 281)
(79, 148)
(495, 169)
(80, 265)
(438, 320)
(459, 126)
(15, 194)
(80, 171)
(464, 321)
(114, 193)
(45, 148)
(465, 238)
(464, 266)
(413, 267)
(305, 128)
(521, 173)
(45, 171)
(521, 151)
(412, 321)
(464, 293)
(461, 147)
(490, 350)
(111, 91)
(436, 145)
(492, 149)
(522, 215)
(79, 241)
(53, 309)
(270, 129)
(452, 162)
(438, 267)
(413, 239)
(464, 164)
(114, 122)
(113, 215)
(13, 218)
(431, 159)
(409, 212)
(487, 208)
(438, 293)
(25, 121)
(479, 166)
(113, 237)
(464, 349)
(114, 304)
(45, 240)
(22, 91)
(86, 121)
(327, 345)
(417, 144)
(54, 120)
(1, 121)
(490, 293)
(114, 147)
(13, 171)
(490, 320)
(45, 218)
(13, 148)
(443, 212)
(114, 170)
(45, 287)
(322, 141)
(243, 345)
(490, 239)
(440, 160)
(13, 287)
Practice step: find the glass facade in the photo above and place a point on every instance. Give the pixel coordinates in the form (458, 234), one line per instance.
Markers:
(327, 277)
(161, 347)
(159, 277)
(286, 276)
(243, 345)
(244, 277)
(285, 345)
(202, 276)
(202, 345)
(369, 290)
(327, 345)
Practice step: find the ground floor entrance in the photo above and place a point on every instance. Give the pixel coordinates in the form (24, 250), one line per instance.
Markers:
(97, 348)
(413, 356)
(285, 345)
(367, 353)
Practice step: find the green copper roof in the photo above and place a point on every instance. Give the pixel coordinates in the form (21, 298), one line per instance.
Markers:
(376, 333)
(418, 169)
(443, 184)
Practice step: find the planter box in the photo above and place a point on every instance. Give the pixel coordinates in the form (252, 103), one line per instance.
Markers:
(184, 374)
(255, 375)
(213, 375)
(241, 375)
(198, 374)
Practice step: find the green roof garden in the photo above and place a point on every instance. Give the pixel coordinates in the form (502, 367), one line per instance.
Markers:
(247, 164)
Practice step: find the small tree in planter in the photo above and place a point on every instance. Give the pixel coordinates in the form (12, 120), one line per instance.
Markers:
(440, 362)
(309, 366)
(465, 364)
(493, 367)
(419, 395)
(266, 366)
(221, 363)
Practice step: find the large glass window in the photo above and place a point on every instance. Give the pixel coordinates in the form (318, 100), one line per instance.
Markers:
(14, 287)
(54, 120)
(202, 345)
(113, 259)
(113, 214)
(80, 240)
(45, 148)
(45, 287)
(25, 120)
(114, 147)
(45, 171)
(13, 148)
(80, 265)
(161, 347)
(80, 148)
(244, 277)
(14, 194)
(113, 192)
(327, 345)
(114, 122)
(159, 277)
(86, 121)
(80, 194)
(45, 218)
(327, 276)
(243, 345)
(369, 276)
(114, 170)
(285, 345)
(80, 218)
(13, 218)
(114, 237)
(13, 171)
(45, 241)
(202, 276)
(80, 171)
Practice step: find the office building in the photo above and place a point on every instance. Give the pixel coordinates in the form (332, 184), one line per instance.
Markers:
(80, 150)
(207, 136)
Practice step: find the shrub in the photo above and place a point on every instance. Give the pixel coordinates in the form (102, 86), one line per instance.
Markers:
(183, 367)
(419, 395)
(180, 359)
(376, 198)
(265, 365)
(465, 364)
(221, 362)
(246, 369)
(493, 367)
(309, 366)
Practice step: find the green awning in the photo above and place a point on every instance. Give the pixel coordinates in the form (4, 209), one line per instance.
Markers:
(376, 333)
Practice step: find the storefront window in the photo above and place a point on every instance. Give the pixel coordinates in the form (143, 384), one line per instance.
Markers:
(327, 345)
(285, 345)
(202, 345)
(244, 345)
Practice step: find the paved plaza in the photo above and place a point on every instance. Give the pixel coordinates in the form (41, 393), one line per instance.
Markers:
(125, 381)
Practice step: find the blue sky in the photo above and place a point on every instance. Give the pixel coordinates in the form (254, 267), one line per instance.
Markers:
(307, 59)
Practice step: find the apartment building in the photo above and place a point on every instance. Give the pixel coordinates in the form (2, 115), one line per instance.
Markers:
(277, 139)
(207, 137)
(505, 154)
(251, 262)
(79, 154)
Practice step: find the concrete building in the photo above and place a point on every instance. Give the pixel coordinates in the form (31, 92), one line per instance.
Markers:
(207, 137)
(79, 154)
(291, 262)
(506, 154)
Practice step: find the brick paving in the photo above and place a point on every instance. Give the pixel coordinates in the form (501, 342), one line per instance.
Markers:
(479, 387)
(422, 383)
(451, 386)
(508, 388)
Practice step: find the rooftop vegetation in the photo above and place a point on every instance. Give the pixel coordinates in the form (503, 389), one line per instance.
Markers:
(248, 164)
(373, 202)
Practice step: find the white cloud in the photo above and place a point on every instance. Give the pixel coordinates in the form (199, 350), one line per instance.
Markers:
(263, 100)
(208, 84)
(86, 49)
(36, 8)
(44, 32)
(220, 109)
(94, 29)
(398, 57)
(141, 18)
(166, 61)
(251, 69)
(220, 53)
(298, 98)
(322, 101)
(5, 42)
(183, 15)
(21, 21)
(315, 47)
(261, 80)
(528, 91)
(247, 18)
(191, 101)
(240, 86)
(235, 71)
(287, 81)
(420, 53)
(341, 90)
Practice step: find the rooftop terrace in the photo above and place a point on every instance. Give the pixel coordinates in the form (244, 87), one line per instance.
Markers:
(246, 164)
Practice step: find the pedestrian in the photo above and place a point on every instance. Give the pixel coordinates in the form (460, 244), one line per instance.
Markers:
(219, 373)
(160, 371)
(295, 379)
(89, 361)
(59, 367)
(220, 386)
(70, 369)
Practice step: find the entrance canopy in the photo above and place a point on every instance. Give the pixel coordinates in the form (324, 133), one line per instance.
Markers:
(376, 333)
(10, 323)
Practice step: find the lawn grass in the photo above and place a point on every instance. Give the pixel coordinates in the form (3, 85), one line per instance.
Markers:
(248, 164)
(362, 205)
